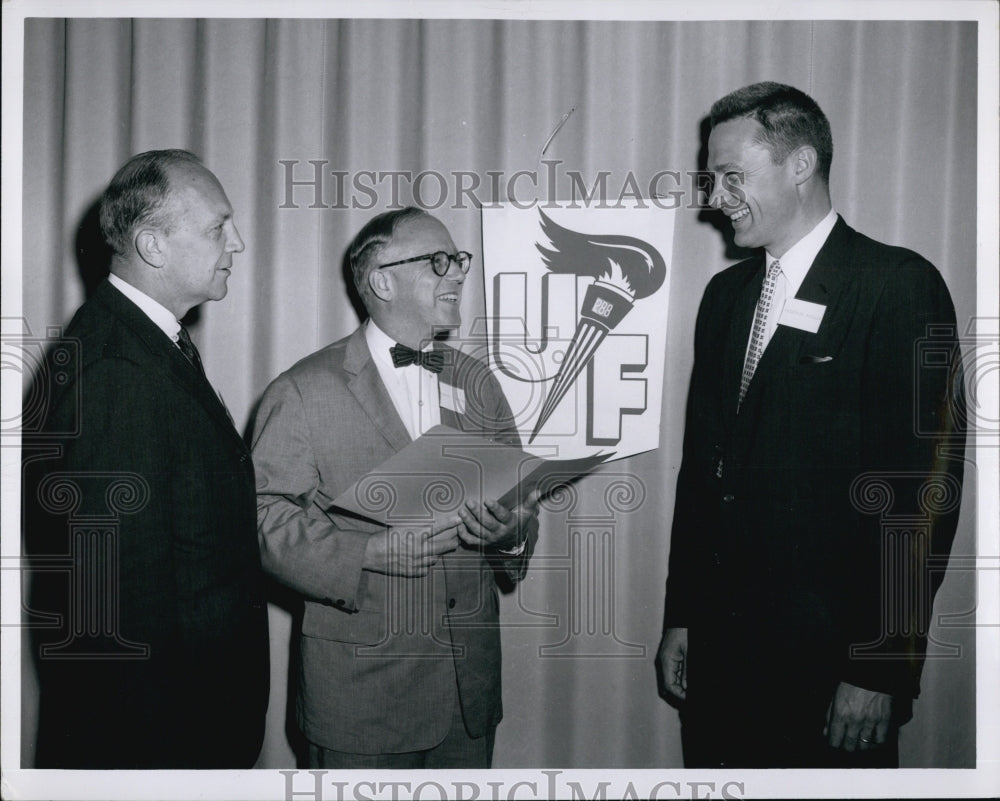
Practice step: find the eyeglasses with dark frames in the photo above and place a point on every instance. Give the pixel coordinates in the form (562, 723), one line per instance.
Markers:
(440, 261)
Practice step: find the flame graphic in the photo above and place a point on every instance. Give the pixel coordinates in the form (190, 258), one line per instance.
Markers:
(625, 269)
(591, 254)
(615, 277)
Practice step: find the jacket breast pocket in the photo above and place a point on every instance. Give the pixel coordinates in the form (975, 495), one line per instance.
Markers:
(367, 626)
(816, 368)
(817, 389)
(820, 414)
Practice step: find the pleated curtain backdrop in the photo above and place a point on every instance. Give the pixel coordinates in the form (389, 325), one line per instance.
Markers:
(481, 96)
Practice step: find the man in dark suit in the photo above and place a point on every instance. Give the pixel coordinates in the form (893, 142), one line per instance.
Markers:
(160, 657)
(400, 643)
(795, 620)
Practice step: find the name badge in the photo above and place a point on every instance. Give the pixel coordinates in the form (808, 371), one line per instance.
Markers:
(802, 314)
(452, 398)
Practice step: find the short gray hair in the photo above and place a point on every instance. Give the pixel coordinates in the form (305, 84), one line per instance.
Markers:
(366, 246)
(137, 196)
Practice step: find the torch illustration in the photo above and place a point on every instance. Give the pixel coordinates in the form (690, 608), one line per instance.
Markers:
(625, 270)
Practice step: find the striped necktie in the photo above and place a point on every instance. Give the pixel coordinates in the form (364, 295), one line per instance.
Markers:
(191, 354)
(190, 351)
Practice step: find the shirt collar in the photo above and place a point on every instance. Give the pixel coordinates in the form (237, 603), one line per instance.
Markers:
(379, 343)
(800, 256)
(161, 316)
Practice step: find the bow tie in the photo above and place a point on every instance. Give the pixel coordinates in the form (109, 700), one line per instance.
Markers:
(428, 359)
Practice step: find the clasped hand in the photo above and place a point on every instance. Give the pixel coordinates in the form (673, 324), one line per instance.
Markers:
(493, 525)
(414, 551)
(858, 719)
(671, 664)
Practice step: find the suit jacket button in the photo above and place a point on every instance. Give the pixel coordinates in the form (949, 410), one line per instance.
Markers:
(451, 603)
(729, 498)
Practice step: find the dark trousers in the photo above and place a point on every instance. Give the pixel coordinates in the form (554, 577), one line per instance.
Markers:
(759, 701)
(753, 739)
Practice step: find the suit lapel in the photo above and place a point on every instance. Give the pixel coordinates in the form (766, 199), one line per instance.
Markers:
(164, 355)
(367, 387)
(448, 385)
(829, 283)
(450, 418)
(824, 284)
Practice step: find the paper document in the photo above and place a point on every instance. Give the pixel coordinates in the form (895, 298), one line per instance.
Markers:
(430, 479)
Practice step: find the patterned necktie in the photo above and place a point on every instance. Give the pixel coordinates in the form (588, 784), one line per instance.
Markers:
(428, 359)
(190, 351)
(191, 354)
(757, 338)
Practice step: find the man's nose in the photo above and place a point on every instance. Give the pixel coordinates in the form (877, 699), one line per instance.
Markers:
(454, 272)
(716, 197)
(235, 244)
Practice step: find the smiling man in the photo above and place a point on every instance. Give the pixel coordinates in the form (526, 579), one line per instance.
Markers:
(400, 643)
(160, 655)
(795, 626)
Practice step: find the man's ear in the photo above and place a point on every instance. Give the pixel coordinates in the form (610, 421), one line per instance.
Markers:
(804, 162)
(381, 285)
(149, 246)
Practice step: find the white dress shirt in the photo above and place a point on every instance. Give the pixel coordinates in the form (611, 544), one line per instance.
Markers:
(414, 390)
(161, 316)
(795, 265)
